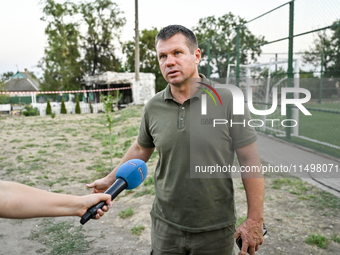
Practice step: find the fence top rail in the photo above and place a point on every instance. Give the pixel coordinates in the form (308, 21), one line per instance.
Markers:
(268, 12)
(282, 39)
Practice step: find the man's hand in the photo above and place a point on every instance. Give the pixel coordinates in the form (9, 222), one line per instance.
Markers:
(251, 233)
(134, 152)
(100, 185)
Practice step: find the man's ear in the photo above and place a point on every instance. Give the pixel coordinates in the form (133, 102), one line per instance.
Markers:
(198, 55)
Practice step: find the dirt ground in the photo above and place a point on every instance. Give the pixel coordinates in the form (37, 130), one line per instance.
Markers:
(61, 154)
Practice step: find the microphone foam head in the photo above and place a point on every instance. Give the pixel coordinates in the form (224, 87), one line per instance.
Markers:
(133, 171)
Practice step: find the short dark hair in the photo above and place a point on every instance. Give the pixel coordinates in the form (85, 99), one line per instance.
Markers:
(171, 30)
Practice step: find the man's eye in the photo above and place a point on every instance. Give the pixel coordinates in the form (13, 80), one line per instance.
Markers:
(177, 52)
(162, 57)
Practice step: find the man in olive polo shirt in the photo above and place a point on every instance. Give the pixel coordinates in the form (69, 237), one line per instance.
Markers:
(193, 215)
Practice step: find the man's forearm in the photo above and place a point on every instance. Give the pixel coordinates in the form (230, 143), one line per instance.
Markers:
(254, 188)
(253, 182)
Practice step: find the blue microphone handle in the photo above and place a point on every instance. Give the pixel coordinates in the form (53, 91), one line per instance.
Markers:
(118, 186)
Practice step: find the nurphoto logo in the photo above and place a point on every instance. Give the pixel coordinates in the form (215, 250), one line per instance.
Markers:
(238, 103)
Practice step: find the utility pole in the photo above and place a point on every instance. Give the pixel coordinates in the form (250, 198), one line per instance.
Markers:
(136, 43)
(136, 93)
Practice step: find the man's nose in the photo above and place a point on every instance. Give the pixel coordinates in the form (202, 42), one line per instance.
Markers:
(170, 60)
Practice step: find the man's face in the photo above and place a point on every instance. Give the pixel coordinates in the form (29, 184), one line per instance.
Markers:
(176, 62)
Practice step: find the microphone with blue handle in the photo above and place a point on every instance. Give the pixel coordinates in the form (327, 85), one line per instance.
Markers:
(129, 176)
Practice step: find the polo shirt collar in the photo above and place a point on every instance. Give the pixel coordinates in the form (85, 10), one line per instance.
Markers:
(167, 93)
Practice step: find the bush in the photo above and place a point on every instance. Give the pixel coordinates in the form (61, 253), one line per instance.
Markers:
(4, 99)
(48, 108)
(63, 109)
(30, 111)
(78, 111)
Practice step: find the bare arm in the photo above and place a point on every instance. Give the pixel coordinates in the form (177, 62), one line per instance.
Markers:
(251, 230)
(134, 152)
(19, 201)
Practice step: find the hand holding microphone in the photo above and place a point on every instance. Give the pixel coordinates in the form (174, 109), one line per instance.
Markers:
(129, 176)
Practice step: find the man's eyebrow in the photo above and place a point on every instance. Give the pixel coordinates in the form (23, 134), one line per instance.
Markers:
(160, 54)
(173, 50)
(178, 49)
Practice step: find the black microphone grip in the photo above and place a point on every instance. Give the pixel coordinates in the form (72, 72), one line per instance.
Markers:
(118, 186)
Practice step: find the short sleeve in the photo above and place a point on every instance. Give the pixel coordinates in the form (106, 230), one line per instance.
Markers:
(144, 138)
(241, 133)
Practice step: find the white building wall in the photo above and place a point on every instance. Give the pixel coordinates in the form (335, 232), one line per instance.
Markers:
(142, 91)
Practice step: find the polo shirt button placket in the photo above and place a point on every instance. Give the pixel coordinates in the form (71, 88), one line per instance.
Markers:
(181, 118)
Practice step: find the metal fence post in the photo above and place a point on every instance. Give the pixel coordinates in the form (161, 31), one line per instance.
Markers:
(321, 72)
(228, 62)
(238, 56)
(275, 65)
(208, 53)
(290, 65)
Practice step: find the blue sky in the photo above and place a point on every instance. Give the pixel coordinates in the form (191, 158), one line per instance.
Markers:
(23, 41)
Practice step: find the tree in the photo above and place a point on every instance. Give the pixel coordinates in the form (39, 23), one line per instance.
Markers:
(108, 102)
(325, 51)
(63, 109)
(70, 55)
(6, 76)
(60, 65)
(322, 46)
(4, 99)
(78, 110)
(335, 69)
(48, 107)
(149, 62)
(221, 33)
(103, 24)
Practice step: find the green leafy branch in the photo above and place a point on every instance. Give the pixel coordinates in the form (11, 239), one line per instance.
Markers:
(108, 104)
